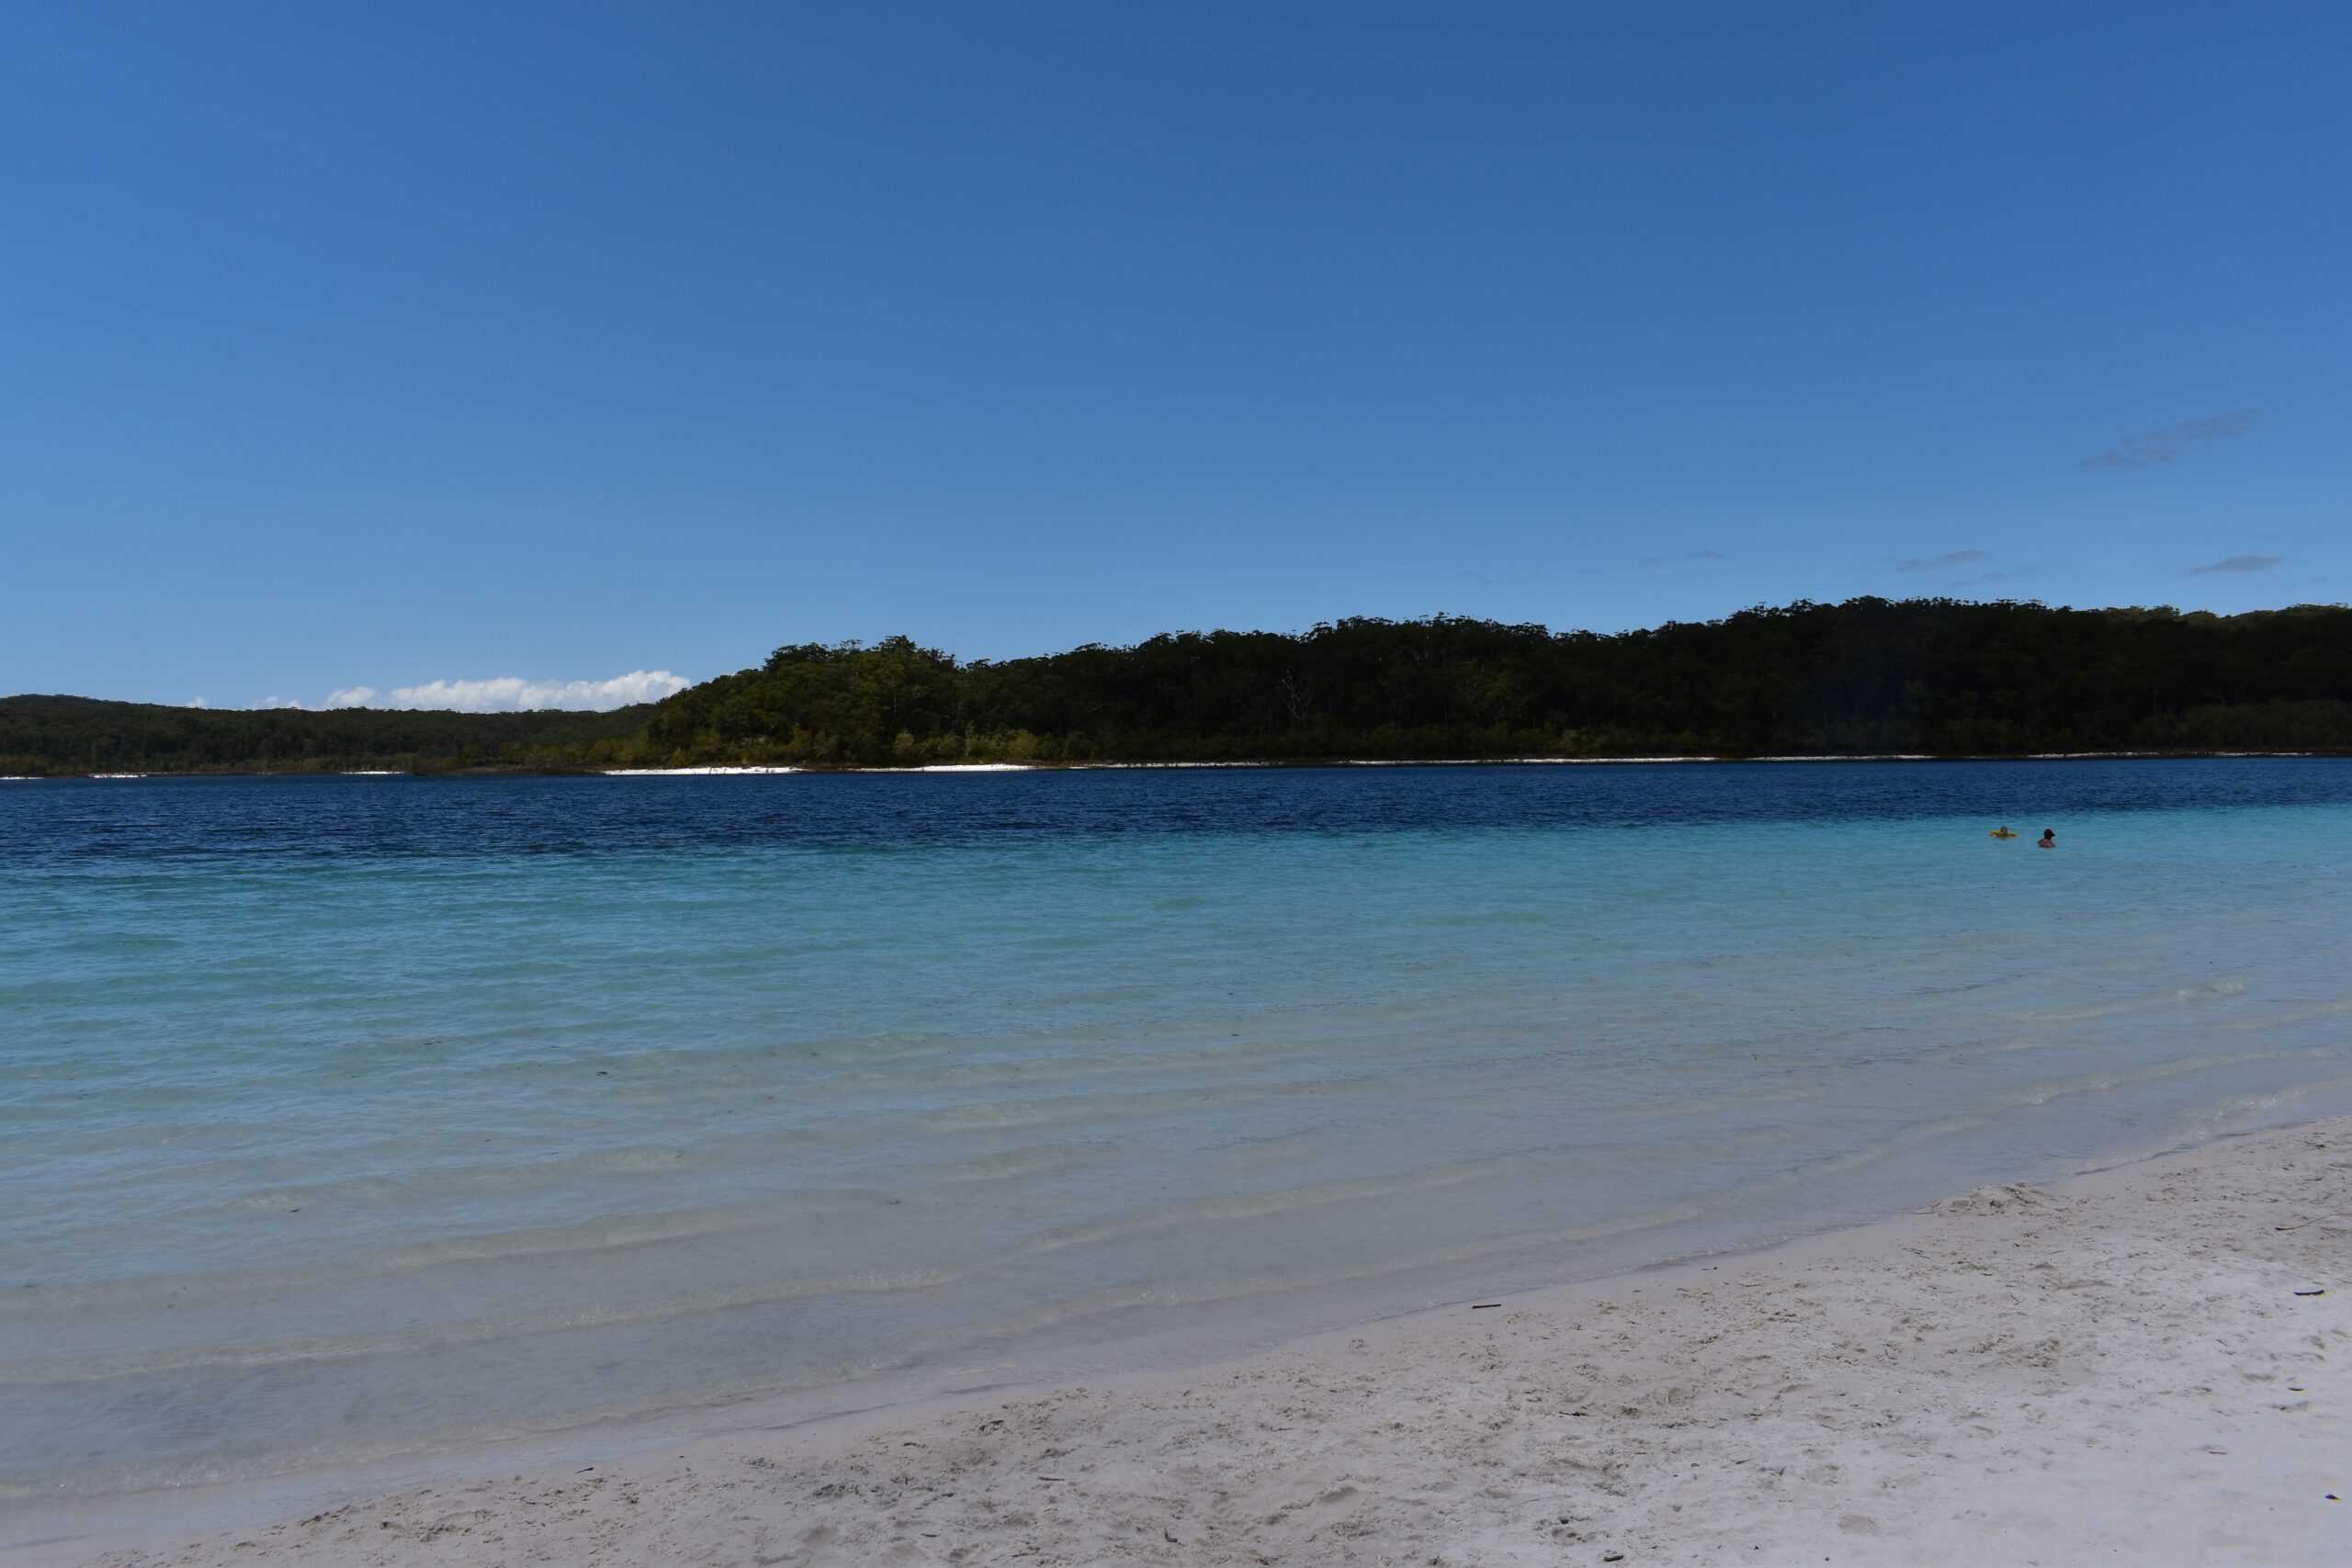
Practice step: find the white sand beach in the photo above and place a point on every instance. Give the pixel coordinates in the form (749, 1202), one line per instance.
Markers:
(2132, 1366)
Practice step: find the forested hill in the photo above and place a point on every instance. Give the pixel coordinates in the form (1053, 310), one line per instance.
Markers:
(1870, 675)
(78, 735)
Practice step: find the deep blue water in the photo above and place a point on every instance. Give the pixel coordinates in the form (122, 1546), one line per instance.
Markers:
(170, 819)
(346, 1113)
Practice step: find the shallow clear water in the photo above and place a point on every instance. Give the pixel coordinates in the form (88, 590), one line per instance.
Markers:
(338, 1115)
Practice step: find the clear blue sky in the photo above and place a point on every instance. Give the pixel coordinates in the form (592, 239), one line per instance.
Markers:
(376, 346)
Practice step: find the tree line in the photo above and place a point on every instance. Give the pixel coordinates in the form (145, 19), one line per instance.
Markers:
(80, 735)
(1870, 675)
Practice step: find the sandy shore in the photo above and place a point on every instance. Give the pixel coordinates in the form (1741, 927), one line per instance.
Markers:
(2124, 1367)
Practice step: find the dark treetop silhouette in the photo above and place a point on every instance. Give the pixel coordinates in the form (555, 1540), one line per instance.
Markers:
(1870, 675)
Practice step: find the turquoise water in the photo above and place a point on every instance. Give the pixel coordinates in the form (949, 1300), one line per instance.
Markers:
(344, 1116)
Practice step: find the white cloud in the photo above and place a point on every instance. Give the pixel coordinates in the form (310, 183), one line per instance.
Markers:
(2238, 563)
(197, 703)
(513, 693)
(1943, 562)
(278, 702)
(2158, 448)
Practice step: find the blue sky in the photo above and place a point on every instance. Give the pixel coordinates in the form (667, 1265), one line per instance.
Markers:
(374, 347)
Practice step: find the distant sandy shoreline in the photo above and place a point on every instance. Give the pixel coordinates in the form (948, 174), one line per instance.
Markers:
(723, 769)
(2143, 1364)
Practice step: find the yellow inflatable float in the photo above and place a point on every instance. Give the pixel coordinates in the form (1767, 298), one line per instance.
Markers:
(2003, 833)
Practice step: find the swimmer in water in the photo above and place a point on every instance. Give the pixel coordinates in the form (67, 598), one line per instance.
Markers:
(2003, 831)
(2049, 839)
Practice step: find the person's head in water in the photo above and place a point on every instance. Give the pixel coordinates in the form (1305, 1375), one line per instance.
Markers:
(2050, 837)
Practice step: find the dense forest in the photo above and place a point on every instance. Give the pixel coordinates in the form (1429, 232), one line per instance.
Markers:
(1870, 675)
(77, 735)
